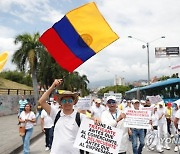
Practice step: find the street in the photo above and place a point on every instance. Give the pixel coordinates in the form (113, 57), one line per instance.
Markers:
(38, 147)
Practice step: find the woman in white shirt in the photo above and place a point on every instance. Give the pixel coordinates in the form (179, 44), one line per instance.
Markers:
(27, 118)
(156, 142)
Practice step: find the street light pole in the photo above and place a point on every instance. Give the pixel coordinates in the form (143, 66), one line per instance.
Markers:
(147, 46)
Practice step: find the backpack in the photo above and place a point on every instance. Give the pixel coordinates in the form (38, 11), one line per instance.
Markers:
(78, 121)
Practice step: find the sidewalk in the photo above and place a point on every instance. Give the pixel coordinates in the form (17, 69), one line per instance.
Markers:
(10, 141)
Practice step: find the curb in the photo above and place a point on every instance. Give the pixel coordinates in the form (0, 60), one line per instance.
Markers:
(20, 148)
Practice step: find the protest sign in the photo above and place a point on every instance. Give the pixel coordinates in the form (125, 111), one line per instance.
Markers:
(117, 95)
(83, 103)
(147, 109)
(99, 138)
(137, 119)
(154, 99)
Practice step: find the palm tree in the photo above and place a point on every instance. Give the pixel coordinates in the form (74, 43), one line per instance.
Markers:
(26, 57)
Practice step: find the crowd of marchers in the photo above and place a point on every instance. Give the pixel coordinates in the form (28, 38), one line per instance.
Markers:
(60, 122)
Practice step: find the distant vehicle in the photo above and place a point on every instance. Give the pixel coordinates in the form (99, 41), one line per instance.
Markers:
(169, 90)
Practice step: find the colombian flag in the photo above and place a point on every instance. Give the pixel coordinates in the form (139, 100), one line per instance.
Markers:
(79, 35)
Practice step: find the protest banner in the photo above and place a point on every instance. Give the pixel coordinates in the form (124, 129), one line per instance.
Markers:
(83, 103)
(154, 99)
(147, 109)
(99, 138)
(137, 119)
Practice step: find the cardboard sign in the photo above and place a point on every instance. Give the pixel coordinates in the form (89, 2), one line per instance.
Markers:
(137, 119)
(98, 139)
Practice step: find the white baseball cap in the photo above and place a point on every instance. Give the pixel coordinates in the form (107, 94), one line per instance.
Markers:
(111, 97)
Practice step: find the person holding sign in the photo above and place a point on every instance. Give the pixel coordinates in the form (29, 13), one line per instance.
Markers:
(66, 121)
(113, 117)
(137, 133)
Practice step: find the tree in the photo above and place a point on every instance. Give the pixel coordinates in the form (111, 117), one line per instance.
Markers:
(27, 55)
(117, 88)
(20, 77)
(49, 70)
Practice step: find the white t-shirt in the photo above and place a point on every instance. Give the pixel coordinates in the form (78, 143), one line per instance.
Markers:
(155, 119)
(97, 111)
(178, 116)
(173, 113)
(48, 122)
(110, 119)
(65, 132)
(30, 116)
(161, 111)
(125, 136)
(55, 105)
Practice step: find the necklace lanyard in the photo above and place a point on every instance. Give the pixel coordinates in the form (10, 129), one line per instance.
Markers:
(115, 115)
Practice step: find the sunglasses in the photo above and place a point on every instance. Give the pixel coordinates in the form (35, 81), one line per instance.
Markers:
(111, 101)
(70, 100)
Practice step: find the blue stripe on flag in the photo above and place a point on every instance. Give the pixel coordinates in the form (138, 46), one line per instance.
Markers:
(72, 39)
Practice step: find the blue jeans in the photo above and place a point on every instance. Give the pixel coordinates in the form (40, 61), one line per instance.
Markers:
(177, 138)
(26, 140)
(20, 110)
(48, 136)
(137, 133)
(38, 114)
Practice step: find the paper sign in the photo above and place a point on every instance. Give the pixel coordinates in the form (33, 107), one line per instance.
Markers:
(98, 139)
(147, 109)
(83, 104)
(137, 119)
(155, 99)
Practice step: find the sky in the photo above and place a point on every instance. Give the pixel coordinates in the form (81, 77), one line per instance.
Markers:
(145, 20)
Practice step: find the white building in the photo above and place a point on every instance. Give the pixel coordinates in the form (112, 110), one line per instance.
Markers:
(119, 81)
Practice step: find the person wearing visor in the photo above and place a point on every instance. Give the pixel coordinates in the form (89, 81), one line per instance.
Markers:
(137, 133)
(97, 109)
(65, 126)
(114, 117)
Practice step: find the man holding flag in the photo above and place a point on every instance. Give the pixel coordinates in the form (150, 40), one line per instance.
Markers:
(78, 36)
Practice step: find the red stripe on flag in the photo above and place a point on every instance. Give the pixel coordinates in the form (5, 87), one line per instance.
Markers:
(59, 51)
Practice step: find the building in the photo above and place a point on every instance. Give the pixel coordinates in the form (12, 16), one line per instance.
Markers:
(119, 81)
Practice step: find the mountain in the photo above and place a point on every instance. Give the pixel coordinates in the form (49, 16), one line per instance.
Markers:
(101, 83)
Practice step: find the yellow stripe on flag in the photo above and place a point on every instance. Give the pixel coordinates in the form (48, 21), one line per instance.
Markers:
(3, 59)
(91, 26)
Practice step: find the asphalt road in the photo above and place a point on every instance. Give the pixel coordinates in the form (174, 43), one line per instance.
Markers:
(38, 147)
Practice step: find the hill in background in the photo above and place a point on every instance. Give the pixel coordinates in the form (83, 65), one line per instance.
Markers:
(7, 84)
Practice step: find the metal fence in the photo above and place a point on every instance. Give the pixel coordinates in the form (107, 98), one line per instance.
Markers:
(4, 91)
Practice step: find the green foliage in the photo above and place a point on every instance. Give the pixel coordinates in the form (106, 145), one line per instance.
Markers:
(16, 76)
(48, 70)
(168, 77)
(32, 57)
(116, 89)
